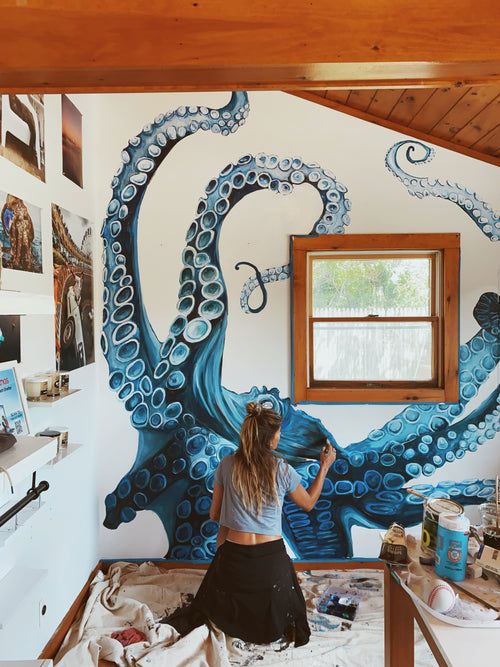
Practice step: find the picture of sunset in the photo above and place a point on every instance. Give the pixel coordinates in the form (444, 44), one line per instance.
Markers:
(72, 141)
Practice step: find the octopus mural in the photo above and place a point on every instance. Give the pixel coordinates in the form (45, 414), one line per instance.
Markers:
(478, 211)
(187, 421)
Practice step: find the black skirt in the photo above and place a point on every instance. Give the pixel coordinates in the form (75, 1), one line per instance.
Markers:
(249, 592)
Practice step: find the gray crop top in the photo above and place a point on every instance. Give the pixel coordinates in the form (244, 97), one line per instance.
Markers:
(233, 513)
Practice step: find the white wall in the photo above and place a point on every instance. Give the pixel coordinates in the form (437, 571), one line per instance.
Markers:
(257, 347)
(62, 539)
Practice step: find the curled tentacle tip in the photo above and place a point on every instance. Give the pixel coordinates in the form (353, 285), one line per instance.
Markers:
(487, 312)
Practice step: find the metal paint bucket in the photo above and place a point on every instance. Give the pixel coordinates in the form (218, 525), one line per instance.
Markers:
(432, 510)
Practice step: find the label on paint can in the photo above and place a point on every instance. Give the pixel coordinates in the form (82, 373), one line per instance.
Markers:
(451, 549)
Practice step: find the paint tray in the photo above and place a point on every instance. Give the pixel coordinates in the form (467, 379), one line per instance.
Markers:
(337, 602)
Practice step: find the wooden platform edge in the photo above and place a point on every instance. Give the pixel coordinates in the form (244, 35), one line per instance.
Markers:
(54, 644)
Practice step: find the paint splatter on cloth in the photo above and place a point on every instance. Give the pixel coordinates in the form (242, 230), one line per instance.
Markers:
(133, 595)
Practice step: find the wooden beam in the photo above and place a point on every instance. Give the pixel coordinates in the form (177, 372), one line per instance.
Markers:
(409, 131)
(70, 45)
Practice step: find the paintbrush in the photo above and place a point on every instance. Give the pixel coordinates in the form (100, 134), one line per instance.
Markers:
(417, 493)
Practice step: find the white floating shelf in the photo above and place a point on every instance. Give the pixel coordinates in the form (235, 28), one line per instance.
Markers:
(49, 401)
(24, 303)
(14, 587)
(27, 455)
(64, 453)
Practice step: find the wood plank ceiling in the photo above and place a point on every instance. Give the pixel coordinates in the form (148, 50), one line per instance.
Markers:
(465, 118)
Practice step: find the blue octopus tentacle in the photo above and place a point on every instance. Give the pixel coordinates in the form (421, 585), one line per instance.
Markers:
(129, 343)
(477, 359)
(258, 280)
(478, 211)
(196, 342)
(465, 492)
(453, 442)
(271, 275)
(180, 474)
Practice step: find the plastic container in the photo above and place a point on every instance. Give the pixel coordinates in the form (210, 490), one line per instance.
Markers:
(451, 549)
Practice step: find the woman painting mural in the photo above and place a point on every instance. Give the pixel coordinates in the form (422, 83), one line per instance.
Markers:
(250, 590)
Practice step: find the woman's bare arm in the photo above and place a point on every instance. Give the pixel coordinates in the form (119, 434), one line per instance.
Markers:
(216, 502)
(307, 498)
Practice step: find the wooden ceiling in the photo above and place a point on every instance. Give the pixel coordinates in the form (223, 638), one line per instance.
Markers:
(147, 45)
(465, 119)
(429, 69)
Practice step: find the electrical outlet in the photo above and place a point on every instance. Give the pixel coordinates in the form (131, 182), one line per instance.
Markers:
(42, 613)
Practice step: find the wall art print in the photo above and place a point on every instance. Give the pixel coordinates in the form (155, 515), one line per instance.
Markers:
(10, 338)
(22, 132)
(20, 234)
(72, 145)
(73, 289)
(14, 416)
(187, 421)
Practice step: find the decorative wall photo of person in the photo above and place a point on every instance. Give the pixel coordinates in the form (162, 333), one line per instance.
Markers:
(20, 234)
(73, 289)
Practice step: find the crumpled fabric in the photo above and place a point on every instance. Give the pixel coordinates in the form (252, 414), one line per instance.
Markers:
(137, 596)
(129, 636)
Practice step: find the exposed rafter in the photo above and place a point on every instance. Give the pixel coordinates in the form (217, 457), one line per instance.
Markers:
(64, 45)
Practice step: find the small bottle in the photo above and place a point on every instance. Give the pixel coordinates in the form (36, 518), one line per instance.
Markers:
(451, 549)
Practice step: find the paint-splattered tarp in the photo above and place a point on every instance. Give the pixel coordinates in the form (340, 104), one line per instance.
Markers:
(138, 595)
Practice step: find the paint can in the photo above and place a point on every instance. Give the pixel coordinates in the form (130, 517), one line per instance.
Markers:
(451, 549)
(433, 508)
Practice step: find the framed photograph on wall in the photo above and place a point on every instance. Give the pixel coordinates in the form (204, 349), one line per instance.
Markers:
(72, 160)
(10, 338)
(20, 234)
(73, 289)
(14, 416)
(22, 132)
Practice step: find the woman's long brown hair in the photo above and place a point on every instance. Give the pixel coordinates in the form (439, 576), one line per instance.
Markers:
(254, 470)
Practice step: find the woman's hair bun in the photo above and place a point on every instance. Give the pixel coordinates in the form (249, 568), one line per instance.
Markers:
(254, 409)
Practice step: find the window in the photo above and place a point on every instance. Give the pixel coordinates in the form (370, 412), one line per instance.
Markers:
(375, 318)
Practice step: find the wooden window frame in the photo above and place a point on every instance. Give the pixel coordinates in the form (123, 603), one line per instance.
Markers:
(444, 314)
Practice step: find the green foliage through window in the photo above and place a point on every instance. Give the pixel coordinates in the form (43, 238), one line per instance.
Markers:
(376, 284)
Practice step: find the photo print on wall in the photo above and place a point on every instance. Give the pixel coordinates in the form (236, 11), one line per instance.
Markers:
(22, 132)
(73, 289)
(187, 421)
(10, 338)
(14, 417)
(20, 234)
(72, 161)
